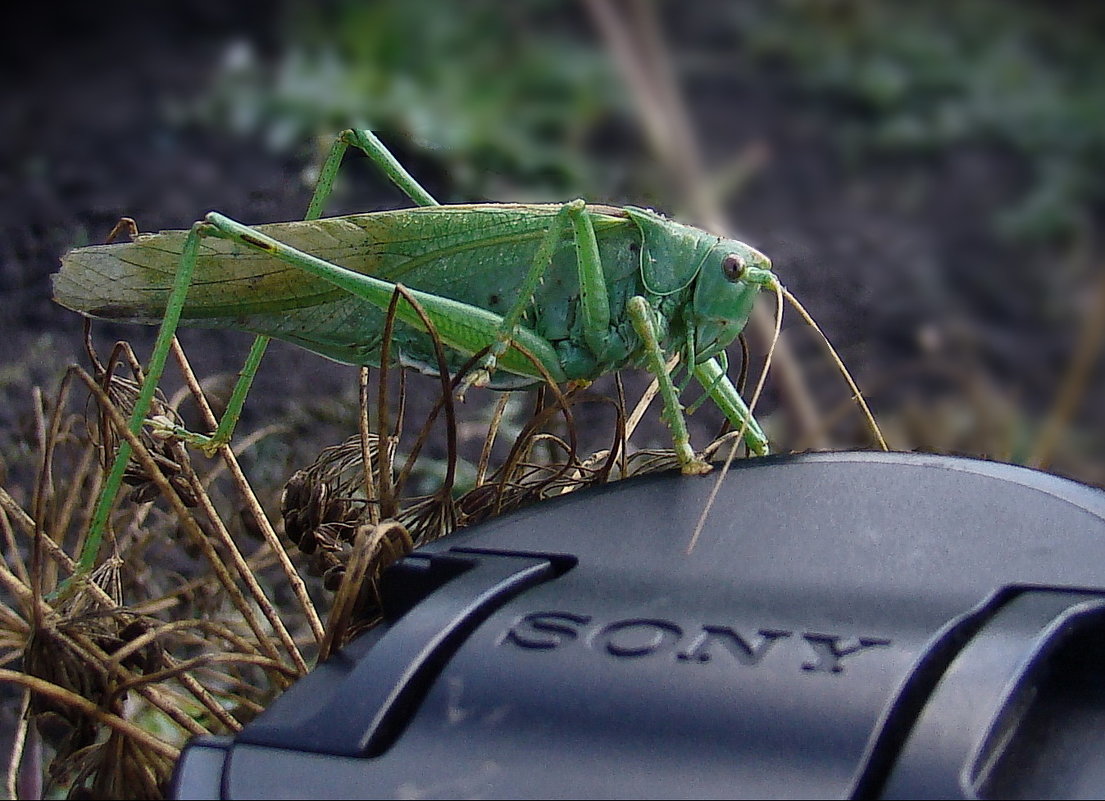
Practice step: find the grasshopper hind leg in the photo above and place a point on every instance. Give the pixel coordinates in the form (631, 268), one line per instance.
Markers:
(364, 140)
(372, 147)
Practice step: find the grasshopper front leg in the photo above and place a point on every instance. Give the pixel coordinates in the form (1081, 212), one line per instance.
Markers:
(718, 386)
(595, 307)
(600, 338)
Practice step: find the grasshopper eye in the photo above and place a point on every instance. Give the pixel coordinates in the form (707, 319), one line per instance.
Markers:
(733, 265)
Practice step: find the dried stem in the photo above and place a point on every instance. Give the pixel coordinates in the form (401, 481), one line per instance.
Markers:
(190, 526)
(299, 589)
(92, 710)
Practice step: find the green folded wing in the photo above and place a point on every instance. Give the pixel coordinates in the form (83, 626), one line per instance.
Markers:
(476, 254)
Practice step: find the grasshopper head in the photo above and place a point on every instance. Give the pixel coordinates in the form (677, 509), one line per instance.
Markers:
(726, 288)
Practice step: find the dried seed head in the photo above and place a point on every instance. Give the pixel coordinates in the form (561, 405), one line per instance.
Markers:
(321, 562)
(339, 510)
(308, 542)
(316, 506)
(144, 493)
(331, 579)
(184, 490)
(296, 492)
(146, 659)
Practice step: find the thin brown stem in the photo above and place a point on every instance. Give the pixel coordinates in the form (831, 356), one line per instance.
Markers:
(299, 589)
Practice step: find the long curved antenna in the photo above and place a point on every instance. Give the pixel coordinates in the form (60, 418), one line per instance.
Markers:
(856, 393)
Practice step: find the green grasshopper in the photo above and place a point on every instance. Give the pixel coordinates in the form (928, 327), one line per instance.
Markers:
(548, 292)
(562, 292)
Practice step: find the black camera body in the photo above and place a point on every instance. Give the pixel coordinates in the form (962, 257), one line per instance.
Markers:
(845, 625)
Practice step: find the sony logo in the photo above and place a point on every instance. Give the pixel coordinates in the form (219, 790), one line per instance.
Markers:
(635, 638)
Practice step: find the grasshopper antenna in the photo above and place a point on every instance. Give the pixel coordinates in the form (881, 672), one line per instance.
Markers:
(779, 292)
(857, 395)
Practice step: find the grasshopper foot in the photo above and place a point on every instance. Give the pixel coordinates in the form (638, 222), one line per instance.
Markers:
(161, 427)
(480, 377)
(477, 378)
(689, 462)
(696, 467)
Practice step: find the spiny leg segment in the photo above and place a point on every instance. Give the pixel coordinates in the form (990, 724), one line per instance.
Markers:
(711, 375)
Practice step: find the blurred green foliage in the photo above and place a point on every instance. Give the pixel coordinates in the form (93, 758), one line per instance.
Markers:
(920, 77)
(509, 96)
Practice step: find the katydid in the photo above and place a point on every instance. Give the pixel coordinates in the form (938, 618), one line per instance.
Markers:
(568, 292)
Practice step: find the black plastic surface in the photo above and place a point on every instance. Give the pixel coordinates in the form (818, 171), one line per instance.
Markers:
(847, 625)
(359, 712)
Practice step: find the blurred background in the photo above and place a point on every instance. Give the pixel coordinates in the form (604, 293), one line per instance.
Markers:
(926, 177)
